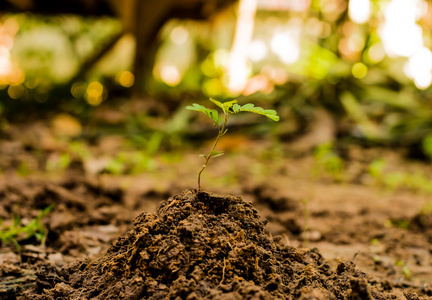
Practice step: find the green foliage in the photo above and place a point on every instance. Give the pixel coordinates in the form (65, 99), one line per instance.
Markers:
(130, 163)
(376, 168)
(427, 146)
(18, 231)
(400, 223)
(228, 108)
(50, 49)
(405, 270)
(415, 181)
(79, 149)
(426, 209)
(326, 160)
(231, 107)
(58, 162)
(23, 169)
(115, 165)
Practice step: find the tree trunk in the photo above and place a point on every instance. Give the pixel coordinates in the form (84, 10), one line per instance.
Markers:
(150, 17)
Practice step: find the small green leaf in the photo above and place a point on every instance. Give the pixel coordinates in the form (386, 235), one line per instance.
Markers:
(269, 113)
(205, 156)
(229, 104)
(197, 107)
(217, 103)
(247, 106)
(216, 153)
(211, 113)
(214, 115)
(273, 117)
(236, 108)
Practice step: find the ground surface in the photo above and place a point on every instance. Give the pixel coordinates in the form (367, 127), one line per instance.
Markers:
(308, 234)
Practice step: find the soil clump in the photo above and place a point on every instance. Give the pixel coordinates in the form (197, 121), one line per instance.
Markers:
(200, 245)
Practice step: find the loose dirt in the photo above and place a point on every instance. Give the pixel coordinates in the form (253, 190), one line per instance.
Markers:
(200, 245)
(290, 236)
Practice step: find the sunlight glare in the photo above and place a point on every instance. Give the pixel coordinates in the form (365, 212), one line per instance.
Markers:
(238, 74)
(237, 68)
(179, 35)
(419, 68)
(359, 10)
(170, 75)
(257, 50)
(400, 33)
(5, 63)
(286, 46)
(376, 53)
(300, 5)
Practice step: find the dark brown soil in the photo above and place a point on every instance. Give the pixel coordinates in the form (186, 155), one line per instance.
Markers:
(200, 245)
(305, 237)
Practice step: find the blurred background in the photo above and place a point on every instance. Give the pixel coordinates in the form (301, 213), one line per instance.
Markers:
(117, 75)
(94, 130)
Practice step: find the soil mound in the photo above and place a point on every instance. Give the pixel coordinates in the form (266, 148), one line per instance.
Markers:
(200, 245)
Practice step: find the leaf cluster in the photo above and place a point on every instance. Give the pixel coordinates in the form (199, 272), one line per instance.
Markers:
(228, 108)
(232, 107)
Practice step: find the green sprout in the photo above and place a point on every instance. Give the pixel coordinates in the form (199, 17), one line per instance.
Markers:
(228, 108)
(34, 228)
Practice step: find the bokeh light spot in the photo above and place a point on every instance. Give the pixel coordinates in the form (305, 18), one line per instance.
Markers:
(94, 93)
(16, 91)
(257, 50)
(359, 70)
(359, 10)
(78, 89)
(419, 68)
(179, 35)
(286, 46)
(126, 79)
(376, 53)
(170, 75)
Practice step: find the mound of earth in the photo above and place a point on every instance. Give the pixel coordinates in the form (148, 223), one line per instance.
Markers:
(200, 245)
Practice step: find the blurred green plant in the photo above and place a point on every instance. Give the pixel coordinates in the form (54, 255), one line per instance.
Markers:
(427, 146)
(414, 181)
(134, 162)
(79, 149)
(23, 169)
(58, 162)
(151, 134)
(228, 108)
(426, 209)
(400, 223)
(376, 168)
(327, 161)
(17, 231)
(405, 270)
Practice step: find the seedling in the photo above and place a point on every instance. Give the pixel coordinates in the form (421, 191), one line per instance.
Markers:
(15, 231)
(228, 108)
(326, 160)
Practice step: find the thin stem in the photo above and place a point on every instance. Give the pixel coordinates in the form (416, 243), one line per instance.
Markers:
(221, 132)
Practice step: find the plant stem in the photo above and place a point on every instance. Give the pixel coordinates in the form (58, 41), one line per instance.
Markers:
(221, 132)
